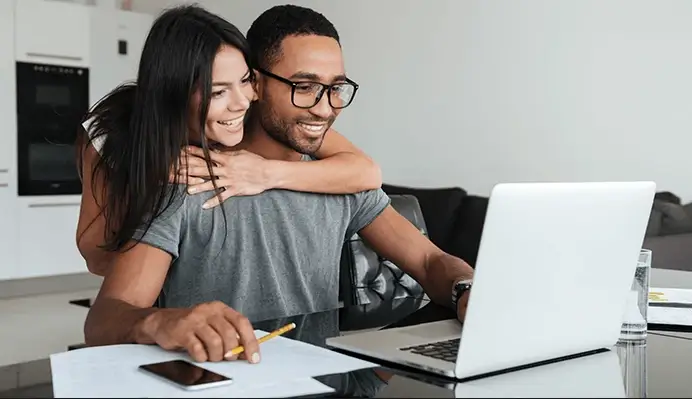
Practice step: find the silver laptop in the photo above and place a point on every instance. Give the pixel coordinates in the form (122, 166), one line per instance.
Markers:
(555, 265)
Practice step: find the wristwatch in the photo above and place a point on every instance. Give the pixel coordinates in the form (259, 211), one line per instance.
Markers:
(460, 288)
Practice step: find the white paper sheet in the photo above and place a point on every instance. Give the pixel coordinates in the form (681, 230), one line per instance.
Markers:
(111, 371)
(669, 295)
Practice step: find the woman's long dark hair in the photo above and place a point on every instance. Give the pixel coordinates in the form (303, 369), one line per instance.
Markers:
(145, 125)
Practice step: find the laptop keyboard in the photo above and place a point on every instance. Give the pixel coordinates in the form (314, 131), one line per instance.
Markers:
(445, 350)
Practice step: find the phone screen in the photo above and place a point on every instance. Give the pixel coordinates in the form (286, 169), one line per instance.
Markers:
(184, 373)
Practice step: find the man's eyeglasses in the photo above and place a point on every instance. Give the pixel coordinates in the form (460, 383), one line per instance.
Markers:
(306, 94)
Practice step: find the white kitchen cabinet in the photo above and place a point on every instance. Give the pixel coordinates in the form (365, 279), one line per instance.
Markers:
(117, 39)
(8, 229)
(8, 102)
(8, 139)
(47, 244)
(52, 32)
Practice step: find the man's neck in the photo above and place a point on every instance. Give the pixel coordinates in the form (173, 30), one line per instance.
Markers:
(257, 140)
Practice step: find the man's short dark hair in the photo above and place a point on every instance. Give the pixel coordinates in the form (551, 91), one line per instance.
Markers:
(270, 29)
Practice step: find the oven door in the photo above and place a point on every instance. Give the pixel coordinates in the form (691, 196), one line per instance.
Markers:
(51, 101)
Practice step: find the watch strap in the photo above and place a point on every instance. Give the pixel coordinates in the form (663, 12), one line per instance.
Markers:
(460, 288)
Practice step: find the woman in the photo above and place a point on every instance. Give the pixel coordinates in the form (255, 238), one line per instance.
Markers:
(140, 135)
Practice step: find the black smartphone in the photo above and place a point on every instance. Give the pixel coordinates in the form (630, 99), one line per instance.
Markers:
(186, 375)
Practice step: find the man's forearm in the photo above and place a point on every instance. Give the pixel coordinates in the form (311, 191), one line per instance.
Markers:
(112, 321)
(443, 271)
(342, 173)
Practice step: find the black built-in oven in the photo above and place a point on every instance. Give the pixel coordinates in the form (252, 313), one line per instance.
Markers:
(51, 101)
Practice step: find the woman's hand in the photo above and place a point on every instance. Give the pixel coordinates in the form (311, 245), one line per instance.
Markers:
(239, 173)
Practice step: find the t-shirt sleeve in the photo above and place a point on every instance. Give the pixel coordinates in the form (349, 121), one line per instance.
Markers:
(90, 129)
(366, 207)
(165, 231)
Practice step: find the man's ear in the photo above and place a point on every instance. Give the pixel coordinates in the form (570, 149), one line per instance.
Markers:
(256, 84)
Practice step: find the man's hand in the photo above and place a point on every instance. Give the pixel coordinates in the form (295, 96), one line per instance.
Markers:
(462, 305)
(207, 331)
(238, 173)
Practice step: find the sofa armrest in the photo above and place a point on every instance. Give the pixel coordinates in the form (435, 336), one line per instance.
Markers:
(670, 251)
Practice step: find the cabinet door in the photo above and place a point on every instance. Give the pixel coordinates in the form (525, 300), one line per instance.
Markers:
(47, 237)
(8, 102)
(52, 32)
(8, 229)
(117, 39)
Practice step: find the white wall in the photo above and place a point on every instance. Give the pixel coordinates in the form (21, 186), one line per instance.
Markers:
(471, 93)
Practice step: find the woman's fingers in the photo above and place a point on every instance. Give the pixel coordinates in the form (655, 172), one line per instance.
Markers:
(198, 153)
(203, 171)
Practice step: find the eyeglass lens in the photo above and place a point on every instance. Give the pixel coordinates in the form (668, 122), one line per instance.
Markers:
(307, 94)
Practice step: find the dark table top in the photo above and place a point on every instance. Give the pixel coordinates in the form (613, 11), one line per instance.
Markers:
(598, 375)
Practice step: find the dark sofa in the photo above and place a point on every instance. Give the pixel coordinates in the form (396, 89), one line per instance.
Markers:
(455, 219)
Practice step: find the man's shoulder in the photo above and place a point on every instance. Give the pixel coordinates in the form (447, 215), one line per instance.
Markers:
(175, 200)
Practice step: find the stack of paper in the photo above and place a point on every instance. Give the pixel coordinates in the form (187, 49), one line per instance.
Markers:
(286, 370)
(670, 295)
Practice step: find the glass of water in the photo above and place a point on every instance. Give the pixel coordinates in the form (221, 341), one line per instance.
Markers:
(632, 344)
(635, 318)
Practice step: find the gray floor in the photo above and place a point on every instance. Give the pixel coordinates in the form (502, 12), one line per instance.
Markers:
(43, 391)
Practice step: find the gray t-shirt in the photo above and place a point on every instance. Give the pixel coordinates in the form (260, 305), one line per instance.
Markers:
(277, 254)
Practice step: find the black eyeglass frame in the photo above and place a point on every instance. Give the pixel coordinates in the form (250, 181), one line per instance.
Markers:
(325, 88)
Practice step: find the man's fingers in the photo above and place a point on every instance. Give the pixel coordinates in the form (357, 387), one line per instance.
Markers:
(247, 335)
(212, 342)
(227, 332)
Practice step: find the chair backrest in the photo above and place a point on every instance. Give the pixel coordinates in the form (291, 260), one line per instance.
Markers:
(368, 278)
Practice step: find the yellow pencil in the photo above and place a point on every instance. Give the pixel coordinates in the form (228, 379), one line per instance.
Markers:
(263, 339)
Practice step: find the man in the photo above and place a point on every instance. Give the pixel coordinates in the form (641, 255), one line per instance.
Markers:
(274, 254)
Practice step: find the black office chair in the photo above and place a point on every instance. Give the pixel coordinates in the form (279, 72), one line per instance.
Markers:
(372, 288)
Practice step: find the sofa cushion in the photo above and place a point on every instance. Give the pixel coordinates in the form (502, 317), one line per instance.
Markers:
(439, 208)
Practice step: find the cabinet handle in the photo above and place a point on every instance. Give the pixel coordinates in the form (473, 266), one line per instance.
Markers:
(72, 58)
(43, 205)
(4, 185)
(4, 170)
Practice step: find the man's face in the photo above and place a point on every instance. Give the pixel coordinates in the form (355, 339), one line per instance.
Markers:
(304, 59)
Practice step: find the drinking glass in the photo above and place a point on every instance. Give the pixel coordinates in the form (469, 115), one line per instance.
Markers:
(635, 319)
(632, 344)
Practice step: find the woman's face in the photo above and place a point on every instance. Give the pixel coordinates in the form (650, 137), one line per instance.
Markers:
(231, 94)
